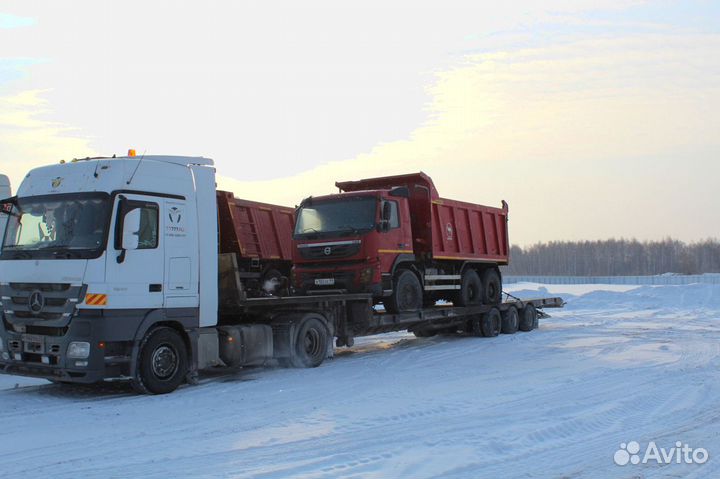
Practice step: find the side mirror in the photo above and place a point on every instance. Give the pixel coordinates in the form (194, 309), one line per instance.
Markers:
(131, 230)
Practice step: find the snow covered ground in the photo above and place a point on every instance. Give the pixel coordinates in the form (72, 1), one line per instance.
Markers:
(618, 364)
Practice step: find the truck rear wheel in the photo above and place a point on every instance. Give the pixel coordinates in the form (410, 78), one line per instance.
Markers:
(311, 343)
(491, 287)
(471, 289)
(491, 323)
(162, 362)
(510, 320)
(407, 293)
(528, 317)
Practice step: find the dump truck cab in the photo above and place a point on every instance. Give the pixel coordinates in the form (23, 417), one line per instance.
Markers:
(345, 242)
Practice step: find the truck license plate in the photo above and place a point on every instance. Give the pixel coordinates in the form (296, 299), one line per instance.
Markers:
(324, 281)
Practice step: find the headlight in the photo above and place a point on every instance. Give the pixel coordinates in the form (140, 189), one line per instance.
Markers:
(78, 350)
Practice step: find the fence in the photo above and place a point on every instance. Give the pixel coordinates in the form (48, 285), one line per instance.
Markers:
(649, 280)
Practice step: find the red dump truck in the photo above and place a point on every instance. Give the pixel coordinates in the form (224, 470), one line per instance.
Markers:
(257, 237)
(396, 238)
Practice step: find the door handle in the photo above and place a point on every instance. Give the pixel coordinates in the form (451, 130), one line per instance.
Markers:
(155, 288)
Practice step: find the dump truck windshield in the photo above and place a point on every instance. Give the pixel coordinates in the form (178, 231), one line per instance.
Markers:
(57, 226)
(341, 216)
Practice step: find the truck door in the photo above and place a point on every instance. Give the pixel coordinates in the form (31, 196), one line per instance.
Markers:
(181, 257)
(135, 278)
(397, 237)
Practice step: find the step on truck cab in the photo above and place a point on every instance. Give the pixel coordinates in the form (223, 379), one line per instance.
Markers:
(396, 238)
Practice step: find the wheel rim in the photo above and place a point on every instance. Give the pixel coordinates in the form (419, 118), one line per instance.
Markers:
(492, 290)
(311, 343)
(164, 361)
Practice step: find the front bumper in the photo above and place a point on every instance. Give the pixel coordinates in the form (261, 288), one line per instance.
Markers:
(358, 278)
(42, 352)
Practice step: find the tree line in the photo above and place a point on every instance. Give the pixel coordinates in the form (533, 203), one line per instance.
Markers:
(615, 258)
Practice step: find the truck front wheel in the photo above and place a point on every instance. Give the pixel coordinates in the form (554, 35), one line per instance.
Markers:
(407, 293)
(162, 362)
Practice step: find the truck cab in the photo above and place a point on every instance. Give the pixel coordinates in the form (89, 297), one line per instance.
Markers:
(344, 242)
(99, 251)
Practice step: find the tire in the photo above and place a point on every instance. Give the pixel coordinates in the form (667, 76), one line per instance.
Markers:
(510, 320)
(471, 289)
(528, 317)
(162, 363)
(407, 294)
(311, 343)
(474, 325)
(491, 322)
(491, 287)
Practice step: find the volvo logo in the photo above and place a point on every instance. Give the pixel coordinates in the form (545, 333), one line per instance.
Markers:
(327, 251)
(36, 302)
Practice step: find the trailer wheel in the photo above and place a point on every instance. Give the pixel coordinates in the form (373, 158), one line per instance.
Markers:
(471, 289)
(474, 325)
(162, 362)
(491, 322)
(311, 343)
(510, 320)
(407, 294)
(528, 318)
(491, 287)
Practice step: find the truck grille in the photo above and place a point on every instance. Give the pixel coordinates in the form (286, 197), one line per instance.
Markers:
(39, 301)
(341, 250)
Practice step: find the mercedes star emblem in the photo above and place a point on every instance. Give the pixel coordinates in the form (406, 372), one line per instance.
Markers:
(36, 302)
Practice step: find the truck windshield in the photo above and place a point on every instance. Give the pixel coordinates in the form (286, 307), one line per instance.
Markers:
(342, 216)
(57, 226)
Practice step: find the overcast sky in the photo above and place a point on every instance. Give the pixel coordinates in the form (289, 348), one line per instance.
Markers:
(593, 119)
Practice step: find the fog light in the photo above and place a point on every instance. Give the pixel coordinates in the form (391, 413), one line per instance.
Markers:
(78, 350)
(5, 356)
(366, 275)
(45, 359)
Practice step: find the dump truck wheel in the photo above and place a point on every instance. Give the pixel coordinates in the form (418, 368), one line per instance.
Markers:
(528, 316)
(491, 287)
(162, 362)
(510, 320)
(471, 289)
(491, 322)
(311, 343)
(407, 294)
(474, 325)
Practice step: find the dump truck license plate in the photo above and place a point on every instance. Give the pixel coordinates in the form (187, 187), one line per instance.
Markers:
(324, 282)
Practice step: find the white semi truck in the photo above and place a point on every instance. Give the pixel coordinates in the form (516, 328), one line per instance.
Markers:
(111, 270)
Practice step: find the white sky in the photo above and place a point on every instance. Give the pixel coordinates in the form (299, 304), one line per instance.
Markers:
(593, 119)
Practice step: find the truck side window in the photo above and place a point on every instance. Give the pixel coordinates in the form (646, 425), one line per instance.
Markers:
(149, 223)
(394, 217)
(148, 237)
